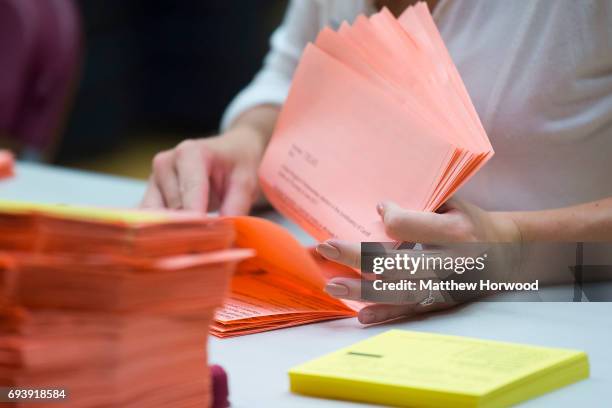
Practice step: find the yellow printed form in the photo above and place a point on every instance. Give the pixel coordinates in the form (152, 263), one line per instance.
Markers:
(404, 368)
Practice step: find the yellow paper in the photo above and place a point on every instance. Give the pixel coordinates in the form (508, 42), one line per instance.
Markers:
(405, 368)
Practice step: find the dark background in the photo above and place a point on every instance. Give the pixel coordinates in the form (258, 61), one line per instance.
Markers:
(157, 71)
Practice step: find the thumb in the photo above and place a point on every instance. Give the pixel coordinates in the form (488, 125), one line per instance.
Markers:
(417, 226)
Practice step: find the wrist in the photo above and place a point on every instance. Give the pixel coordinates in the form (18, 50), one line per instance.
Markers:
(247, 139)
(511, 246)
(508, 227)
(256, 123)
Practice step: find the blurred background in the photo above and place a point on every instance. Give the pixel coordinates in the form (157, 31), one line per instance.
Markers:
(105, 84)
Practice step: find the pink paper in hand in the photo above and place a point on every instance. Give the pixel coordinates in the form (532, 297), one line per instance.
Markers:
(377, 111)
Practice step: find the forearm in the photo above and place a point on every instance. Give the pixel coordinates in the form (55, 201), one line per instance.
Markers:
(581, 223)
(257, 106)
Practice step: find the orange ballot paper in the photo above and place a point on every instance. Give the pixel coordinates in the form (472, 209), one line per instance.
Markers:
(98, 302)
(281, 286)
(279, 283)
(377, 111)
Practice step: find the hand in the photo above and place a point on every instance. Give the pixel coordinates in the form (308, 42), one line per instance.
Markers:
(208, 174)
(455, 222)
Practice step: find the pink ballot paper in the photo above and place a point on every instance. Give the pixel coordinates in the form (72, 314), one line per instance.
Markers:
(7, 164)
(377, 111)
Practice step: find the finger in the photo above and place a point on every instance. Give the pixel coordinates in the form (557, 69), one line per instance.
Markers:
(192, 167)
(380, 313)
(166, 178)
(425, 307)
(240, 193)
(347, 253)
(217, 183)
(152, 197)
(344, 288)
(453, 204)
(418, 226)
(351, 289)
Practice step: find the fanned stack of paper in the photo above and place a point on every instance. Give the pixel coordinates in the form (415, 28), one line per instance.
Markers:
(281, 286)
(413, 369)
(113, 307)
(377, 111)
(7, 162)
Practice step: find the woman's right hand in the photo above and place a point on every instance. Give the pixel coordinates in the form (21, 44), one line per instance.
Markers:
(216, 173)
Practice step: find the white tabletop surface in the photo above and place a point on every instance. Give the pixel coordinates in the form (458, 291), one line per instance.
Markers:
(257, 364)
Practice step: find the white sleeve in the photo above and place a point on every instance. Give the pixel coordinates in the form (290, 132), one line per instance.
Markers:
(271, 84)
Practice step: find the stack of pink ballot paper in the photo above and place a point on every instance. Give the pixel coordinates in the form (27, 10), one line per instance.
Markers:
(7, 164)
(377, 111)
(112, 307)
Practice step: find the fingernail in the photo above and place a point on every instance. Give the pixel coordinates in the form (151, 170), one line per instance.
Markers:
(380, 209)
(336, 289)
(366, 317)
(328, 251)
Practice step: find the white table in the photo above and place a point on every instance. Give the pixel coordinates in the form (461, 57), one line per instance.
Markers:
(258, 364)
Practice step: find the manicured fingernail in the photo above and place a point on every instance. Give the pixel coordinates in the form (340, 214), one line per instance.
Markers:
(335, 289)
(380, 209)
(366, 317)
(328, 251)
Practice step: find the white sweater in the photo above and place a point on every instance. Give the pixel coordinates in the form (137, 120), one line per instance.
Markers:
(538, 72)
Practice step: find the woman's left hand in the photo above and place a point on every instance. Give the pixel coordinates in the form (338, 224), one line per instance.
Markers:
(455, 222)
